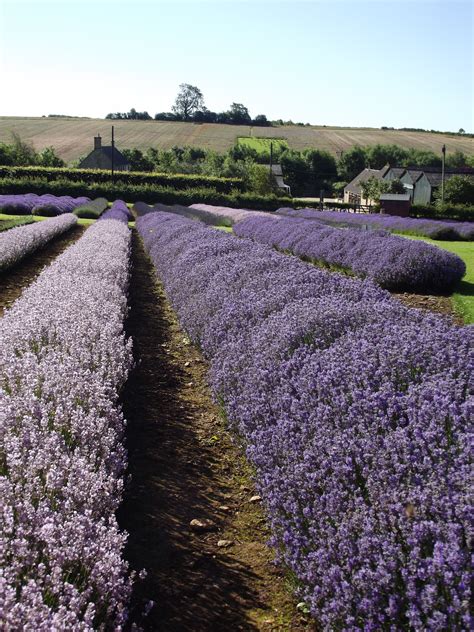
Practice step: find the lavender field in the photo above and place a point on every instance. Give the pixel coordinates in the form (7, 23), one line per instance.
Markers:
(180, 406)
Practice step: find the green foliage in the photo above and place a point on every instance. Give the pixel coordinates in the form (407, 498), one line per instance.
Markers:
(143, 192)
(396, 186)
(19, 153)
(351, 163)
(188, 101)
(457, 160)
(48, 158)
(377, 156)
(461, 212)
(239, 114)
(457, 190)
(261, 147)
(225, 185)
(92, 210)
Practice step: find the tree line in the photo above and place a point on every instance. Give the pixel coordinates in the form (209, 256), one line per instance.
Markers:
(189, 106)
(307, 172)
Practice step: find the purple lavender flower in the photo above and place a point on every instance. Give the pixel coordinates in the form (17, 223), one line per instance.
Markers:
(118, 211)
(435, 229)
(356, 413)
(63, 360)
(17, 243)
(391, 261)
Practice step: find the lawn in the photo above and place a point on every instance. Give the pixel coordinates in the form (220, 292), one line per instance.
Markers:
(82, 221)
(262, 145)
(463, 298)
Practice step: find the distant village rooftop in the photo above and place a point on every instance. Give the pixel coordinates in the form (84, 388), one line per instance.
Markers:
(102, 157)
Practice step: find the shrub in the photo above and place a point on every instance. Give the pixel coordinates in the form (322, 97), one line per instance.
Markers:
(100, 176)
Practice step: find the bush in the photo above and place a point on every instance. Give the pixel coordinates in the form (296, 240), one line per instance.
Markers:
(93, 210)
(88, 176)
(144, 192)
(462, 212)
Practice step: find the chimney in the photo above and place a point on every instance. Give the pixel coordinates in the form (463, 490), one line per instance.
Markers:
(97, 142)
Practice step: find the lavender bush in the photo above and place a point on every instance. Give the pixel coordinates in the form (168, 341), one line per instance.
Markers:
(17, 243)
(392, 262)
(232, 215)
(356, 413)
(435, 229)
(30, 203)
(118, 211)
(63, 360)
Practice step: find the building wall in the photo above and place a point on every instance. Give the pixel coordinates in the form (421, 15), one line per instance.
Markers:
(423, 191)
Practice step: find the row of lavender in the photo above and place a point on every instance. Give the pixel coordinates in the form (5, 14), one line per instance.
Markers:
(31, 204)
(393, 262)
(63, 360)
(119, 211)
(435, 229)
(355, 412)
(19, 242)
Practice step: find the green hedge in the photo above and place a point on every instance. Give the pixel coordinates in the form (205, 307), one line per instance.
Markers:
(462, 212)
(144, 193)
(89, 176)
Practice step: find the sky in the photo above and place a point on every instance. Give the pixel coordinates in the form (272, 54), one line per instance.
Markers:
(325, 62)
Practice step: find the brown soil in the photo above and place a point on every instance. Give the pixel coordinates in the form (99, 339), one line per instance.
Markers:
(14, 280)
(185, 465)
(433, 303)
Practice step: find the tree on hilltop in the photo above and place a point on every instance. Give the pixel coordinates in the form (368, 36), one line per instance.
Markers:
(189, 100)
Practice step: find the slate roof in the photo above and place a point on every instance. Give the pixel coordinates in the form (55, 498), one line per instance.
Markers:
(399, 197)
(354, 185)
(397, 172)
(102, 157)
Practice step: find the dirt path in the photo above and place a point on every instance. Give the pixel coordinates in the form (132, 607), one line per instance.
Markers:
(431, 302)
(184, 466)
(17, 278)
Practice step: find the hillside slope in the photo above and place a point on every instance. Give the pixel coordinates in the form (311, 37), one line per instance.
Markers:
(73, 137)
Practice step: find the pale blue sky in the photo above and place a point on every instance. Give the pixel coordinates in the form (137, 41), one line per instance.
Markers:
(324, 62)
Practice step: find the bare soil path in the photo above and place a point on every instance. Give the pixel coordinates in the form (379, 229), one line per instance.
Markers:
(185, 466)
(431, 302)
(14, 280)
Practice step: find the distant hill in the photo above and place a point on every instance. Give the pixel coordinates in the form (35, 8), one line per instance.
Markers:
(73, 137)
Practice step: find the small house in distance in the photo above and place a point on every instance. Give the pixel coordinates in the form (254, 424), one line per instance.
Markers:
(278, 177)
(353, 192)
(101, 158)
(395, 204)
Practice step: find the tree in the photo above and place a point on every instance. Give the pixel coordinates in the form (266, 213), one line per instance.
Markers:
(458, 190)
(23, 153)
(188, 101)
(239, 114)
(351, 163)
(461, 131)
(456, 160)
(261, 120)
(380, 155)
(372, 188)
(396, 186)
(421, 158)
(49, 158)
(323, 169)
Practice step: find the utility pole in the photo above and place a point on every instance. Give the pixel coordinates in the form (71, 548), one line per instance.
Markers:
(271, 162)
(113, 152)
(443, 151)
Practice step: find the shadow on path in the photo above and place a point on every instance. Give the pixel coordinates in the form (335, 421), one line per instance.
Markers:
(176, 476)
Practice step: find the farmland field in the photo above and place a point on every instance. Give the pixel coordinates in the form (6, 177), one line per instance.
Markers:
(73, 137)
(262, 144)
(175, 398)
